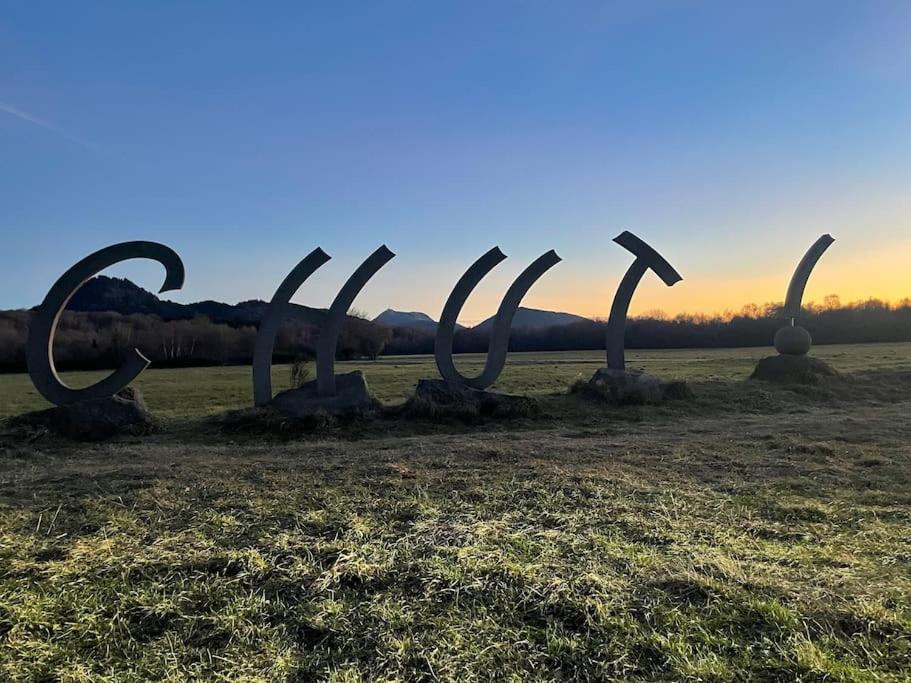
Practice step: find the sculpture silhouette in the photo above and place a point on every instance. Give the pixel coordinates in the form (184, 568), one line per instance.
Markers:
(43, 325)
(646, 257)
(499, 336)
(279, 310)
(328, 335)
(330, 324)
(792, 339)
(802, 273)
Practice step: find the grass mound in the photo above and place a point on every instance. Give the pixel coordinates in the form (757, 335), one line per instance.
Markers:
(271, 422)
(784, 369)
(441, 400)
(124, 414)
(471, 412)
(604, 392)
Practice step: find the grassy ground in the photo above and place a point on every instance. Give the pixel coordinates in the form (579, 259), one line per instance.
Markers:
(196, 392)
(753, 533)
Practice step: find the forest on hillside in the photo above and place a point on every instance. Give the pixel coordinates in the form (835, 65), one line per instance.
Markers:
(95, 340)
(88, 341)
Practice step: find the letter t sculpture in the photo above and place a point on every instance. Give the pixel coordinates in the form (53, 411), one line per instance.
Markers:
(646, 258)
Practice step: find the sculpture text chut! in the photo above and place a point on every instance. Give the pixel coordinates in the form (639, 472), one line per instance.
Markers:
(348, 393)
(40, 344)
(499, 336)
(646, 257)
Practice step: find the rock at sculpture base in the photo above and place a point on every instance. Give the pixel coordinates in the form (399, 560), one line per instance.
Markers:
(352, 397)
(631, 387)
(95, 420)
(438, 398)
(785, 369)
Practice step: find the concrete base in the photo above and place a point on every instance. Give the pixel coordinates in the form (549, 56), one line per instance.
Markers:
(95, 420)
(352, 397)
(439, 398)
(631, 386)
(785, 369)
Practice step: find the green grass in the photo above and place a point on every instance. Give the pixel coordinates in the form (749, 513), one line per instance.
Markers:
(756, 532)
(196, 392)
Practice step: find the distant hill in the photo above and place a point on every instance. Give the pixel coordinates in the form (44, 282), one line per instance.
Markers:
(103, 293)
(536, 319)
(527, 318)
(412, 319)
(120, 295)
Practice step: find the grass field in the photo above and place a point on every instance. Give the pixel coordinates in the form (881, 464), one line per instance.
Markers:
(196, 392)
(753, 533)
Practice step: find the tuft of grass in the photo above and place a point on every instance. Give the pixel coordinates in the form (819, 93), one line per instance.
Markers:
(301, 372)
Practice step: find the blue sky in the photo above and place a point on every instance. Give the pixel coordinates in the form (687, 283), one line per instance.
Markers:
(728, 135)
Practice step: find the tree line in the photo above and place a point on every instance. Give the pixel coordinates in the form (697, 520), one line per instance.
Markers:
(829, 323)
(100, 340)
(96, 340)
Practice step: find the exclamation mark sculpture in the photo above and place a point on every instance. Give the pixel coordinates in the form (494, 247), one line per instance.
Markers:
(792, 365)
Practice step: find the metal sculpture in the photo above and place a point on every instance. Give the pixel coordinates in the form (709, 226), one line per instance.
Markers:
(330, 323)
(499, 336)
(43, 325)
(279, 310)
(793, 340)
(328, 336)
(646, 257)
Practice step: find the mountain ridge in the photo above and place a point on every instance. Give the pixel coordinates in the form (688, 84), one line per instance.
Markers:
(411, 319)
(527, 318)
(535, 319)
(121, 295)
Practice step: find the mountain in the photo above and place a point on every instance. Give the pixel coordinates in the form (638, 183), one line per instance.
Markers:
(103, 293)
(536, 319)
(529, 318)
(413, 319)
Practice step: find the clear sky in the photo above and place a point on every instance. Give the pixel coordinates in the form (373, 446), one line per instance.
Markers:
(729, 135)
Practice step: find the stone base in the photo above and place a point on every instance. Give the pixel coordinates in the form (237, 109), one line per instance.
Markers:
(95, 420)
(785, 369)
(631, 387)
(439, 398)
(352, 397)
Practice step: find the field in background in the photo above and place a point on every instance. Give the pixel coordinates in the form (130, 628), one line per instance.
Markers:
(194, 392)
(753, 533)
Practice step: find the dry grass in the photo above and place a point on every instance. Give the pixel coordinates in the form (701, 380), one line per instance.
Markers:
(756, 532)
